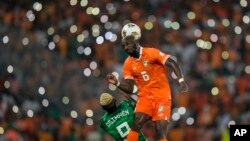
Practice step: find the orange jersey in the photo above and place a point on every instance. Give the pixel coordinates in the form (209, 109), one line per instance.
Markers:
(149, 73)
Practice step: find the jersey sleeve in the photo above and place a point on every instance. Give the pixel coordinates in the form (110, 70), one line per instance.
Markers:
(159, 56)
(127, 70)
(128, 103)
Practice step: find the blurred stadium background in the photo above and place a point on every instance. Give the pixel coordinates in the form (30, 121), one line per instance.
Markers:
(55, 54)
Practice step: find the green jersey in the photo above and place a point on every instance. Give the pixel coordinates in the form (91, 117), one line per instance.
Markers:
(118, 123)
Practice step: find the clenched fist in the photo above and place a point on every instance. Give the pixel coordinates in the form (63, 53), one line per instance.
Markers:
(112, 79)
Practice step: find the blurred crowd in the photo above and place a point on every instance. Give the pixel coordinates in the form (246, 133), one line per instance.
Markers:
(54, 56)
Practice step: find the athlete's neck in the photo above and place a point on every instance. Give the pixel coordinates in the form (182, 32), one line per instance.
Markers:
(112, 109)
(137, 51)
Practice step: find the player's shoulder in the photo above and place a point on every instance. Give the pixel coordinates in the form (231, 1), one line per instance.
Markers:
(150, 49)
(126, 103)
(154, 51)
(128, 60)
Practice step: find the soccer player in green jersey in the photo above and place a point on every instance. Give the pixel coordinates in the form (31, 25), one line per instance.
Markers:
(118, 119)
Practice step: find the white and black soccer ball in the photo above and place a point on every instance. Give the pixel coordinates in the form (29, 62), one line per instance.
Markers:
(131, 29)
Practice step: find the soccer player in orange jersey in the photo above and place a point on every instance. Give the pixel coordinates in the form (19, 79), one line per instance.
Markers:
(147, 68)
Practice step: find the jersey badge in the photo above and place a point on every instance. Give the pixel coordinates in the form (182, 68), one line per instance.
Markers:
(161, 108)
(145, 63)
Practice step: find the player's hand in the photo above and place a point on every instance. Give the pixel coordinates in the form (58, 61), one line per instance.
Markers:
(183, 87)
(112, 79)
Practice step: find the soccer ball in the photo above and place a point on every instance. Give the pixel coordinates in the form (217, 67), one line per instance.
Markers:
(131, 29)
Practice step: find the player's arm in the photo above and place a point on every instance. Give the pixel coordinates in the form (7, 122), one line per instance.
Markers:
(125, 85)
(173, 64)
(128, 96)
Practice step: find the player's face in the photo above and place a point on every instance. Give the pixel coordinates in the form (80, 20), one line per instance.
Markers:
(129, 45)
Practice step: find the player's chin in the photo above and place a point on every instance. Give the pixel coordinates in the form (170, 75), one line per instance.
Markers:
(129, 53)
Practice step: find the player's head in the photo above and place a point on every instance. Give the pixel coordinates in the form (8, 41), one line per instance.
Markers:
(130, 45)
(108, 102)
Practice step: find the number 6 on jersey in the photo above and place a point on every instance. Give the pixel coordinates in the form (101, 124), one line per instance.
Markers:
(145, 76)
